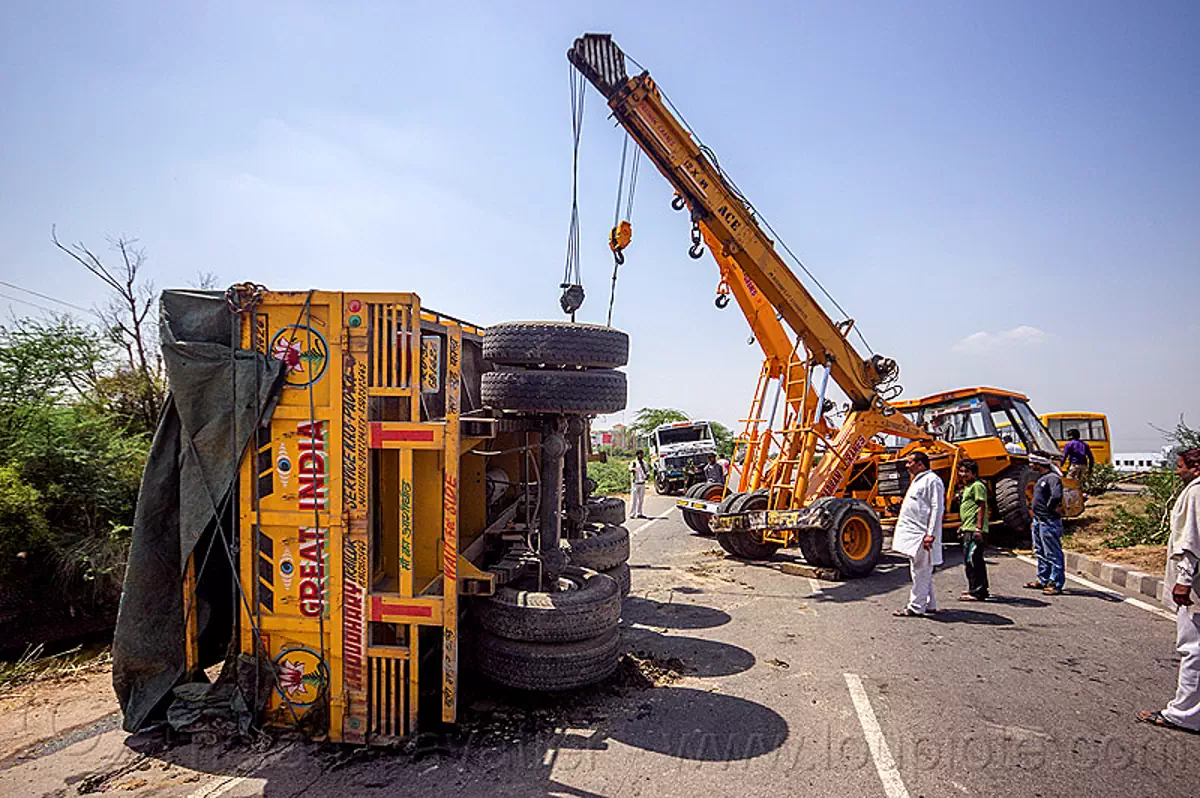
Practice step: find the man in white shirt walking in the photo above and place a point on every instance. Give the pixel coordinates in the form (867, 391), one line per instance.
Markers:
(918, 533)
(1180, 594)
(638, 473)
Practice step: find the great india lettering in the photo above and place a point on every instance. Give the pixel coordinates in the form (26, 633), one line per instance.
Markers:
(312, 572)
(311, 464)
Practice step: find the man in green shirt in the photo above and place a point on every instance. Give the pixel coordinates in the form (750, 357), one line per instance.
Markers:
(973, 510)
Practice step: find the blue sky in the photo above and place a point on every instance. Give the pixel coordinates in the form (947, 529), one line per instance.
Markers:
(1000, 193)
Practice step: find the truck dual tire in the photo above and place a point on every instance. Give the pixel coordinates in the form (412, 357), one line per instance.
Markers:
(593, 392)
(548, 667)
(606, 510)
(1012, 500)
(724, 540)
(622, 576)
(589, 607)
(555, 343)
(600, 550)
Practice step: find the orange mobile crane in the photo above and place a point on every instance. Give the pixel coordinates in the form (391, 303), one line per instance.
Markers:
(784, 494)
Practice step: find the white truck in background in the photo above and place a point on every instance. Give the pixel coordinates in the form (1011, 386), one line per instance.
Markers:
(678, 453)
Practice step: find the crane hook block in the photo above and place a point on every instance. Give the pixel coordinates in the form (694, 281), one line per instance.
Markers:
(572, 297)
(722, 301)
(620, 236)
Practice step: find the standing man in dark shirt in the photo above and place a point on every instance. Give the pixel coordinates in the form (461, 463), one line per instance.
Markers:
(1047, 528)
(1077, 457)
(973, 512)
(713, 471)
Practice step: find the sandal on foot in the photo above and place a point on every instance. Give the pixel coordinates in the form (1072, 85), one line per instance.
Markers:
(1157, 719)
(1035, 585)
(907, 612)
(969, 597)
(1051, 590)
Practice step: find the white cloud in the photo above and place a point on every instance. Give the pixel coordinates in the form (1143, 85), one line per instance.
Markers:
(986, 342)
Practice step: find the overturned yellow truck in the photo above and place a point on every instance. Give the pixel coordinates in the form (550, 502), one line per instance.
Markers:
(351, 499)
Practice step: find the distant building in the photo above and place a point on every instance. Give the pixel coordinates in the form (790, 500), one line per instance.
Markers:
(617, 437)
(1138, 462)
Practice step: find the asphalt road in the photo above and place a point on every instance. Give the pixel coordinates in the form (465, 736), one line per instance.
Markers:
(789, 687)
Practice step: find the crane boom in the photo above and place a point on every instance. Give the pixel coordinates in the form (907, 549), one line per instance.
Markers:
(717, 205)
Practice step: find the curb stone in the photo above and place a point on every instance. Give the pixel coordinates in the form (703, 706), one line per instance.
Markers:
(1114, 574)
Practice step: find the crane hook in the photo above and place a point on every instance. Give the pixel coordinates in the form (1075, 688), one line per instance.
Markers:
(677, 202)
(696, 250)
(722, 301)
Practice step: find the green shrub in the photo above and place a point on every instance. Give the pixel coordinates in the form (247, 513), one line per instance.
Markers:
(1100, 479)
(1152, 523)
(612, 476)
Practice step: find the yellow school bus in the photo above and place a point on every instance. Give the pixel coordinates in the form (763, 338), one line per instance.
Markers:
(1093, 430)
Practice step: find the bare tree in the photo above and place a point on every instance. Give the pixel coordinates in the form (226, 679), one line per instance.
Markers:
(207, 281)
(129, 317)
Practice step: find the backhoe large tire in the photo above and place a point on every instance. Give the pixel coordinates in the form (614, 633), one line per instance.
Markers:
(548, 667)
(592, 392)
(606, 510)
(749, 545)
(590, 607)
(696, 520)
(622, 576)
(600, 549)
(725, 539)
(853, 537)
(555, 343)
(1012, 500)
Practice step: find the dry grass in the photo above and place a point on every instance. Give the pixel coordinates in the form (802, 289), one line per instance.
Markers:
(1086, 534)
(34, 667)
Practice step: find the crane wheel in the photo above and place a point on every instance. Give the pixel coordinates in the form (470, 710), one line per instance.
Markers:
(587, 604)
(748, 545)
(851, 539)
(708, 491)
(593, 392)
(723, 538)
(555, 344)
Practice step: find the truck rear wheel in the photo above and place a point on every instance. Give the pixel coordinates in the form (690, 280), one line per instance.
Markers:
(606, 510)
(555, 343)
(599, 549)
(592, 392)
(724, 538)
(588, 604)
(1012, 487)
(622, 576)
(548, 667)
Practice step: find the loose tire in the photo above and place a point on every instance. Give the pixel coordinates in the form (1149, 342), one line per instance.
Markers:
(548, 667)
(622, 577)
(1012, 502)
(579, 392)
(591, 607)
(605, 548)
(606, 510)
(696, 520)
(555, 343)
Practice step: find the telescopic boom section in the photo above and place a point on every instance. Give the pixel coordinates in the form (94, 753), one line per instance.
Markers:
(715, 204)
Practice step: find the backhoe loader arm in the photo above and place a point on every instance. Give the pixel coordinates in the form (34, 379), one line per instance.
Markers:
(724, 216)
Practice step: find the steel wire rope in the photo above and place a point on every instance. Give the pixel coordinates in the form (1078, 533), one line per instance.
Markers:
(618, 258)
(573, 271)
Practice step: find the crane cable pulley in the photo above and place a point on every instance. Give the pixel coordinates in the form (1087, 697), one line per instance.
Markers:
(622, 230)
(572, 283)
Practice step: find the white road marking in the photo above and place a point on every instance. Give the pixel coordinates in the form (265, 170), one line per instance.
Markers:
(633, 532)
(885, 765)
(814, 587)
(229, 782)
(1141, 605)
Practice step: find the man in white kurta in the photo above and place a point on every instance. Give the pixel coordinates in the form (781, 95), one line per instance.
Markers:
(918, 533)
(639, 472)
(1181, 594)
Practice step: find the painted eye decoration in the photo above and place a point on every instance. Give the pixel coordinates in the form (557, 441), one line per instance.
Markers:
(283, 465)
(287, 568)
